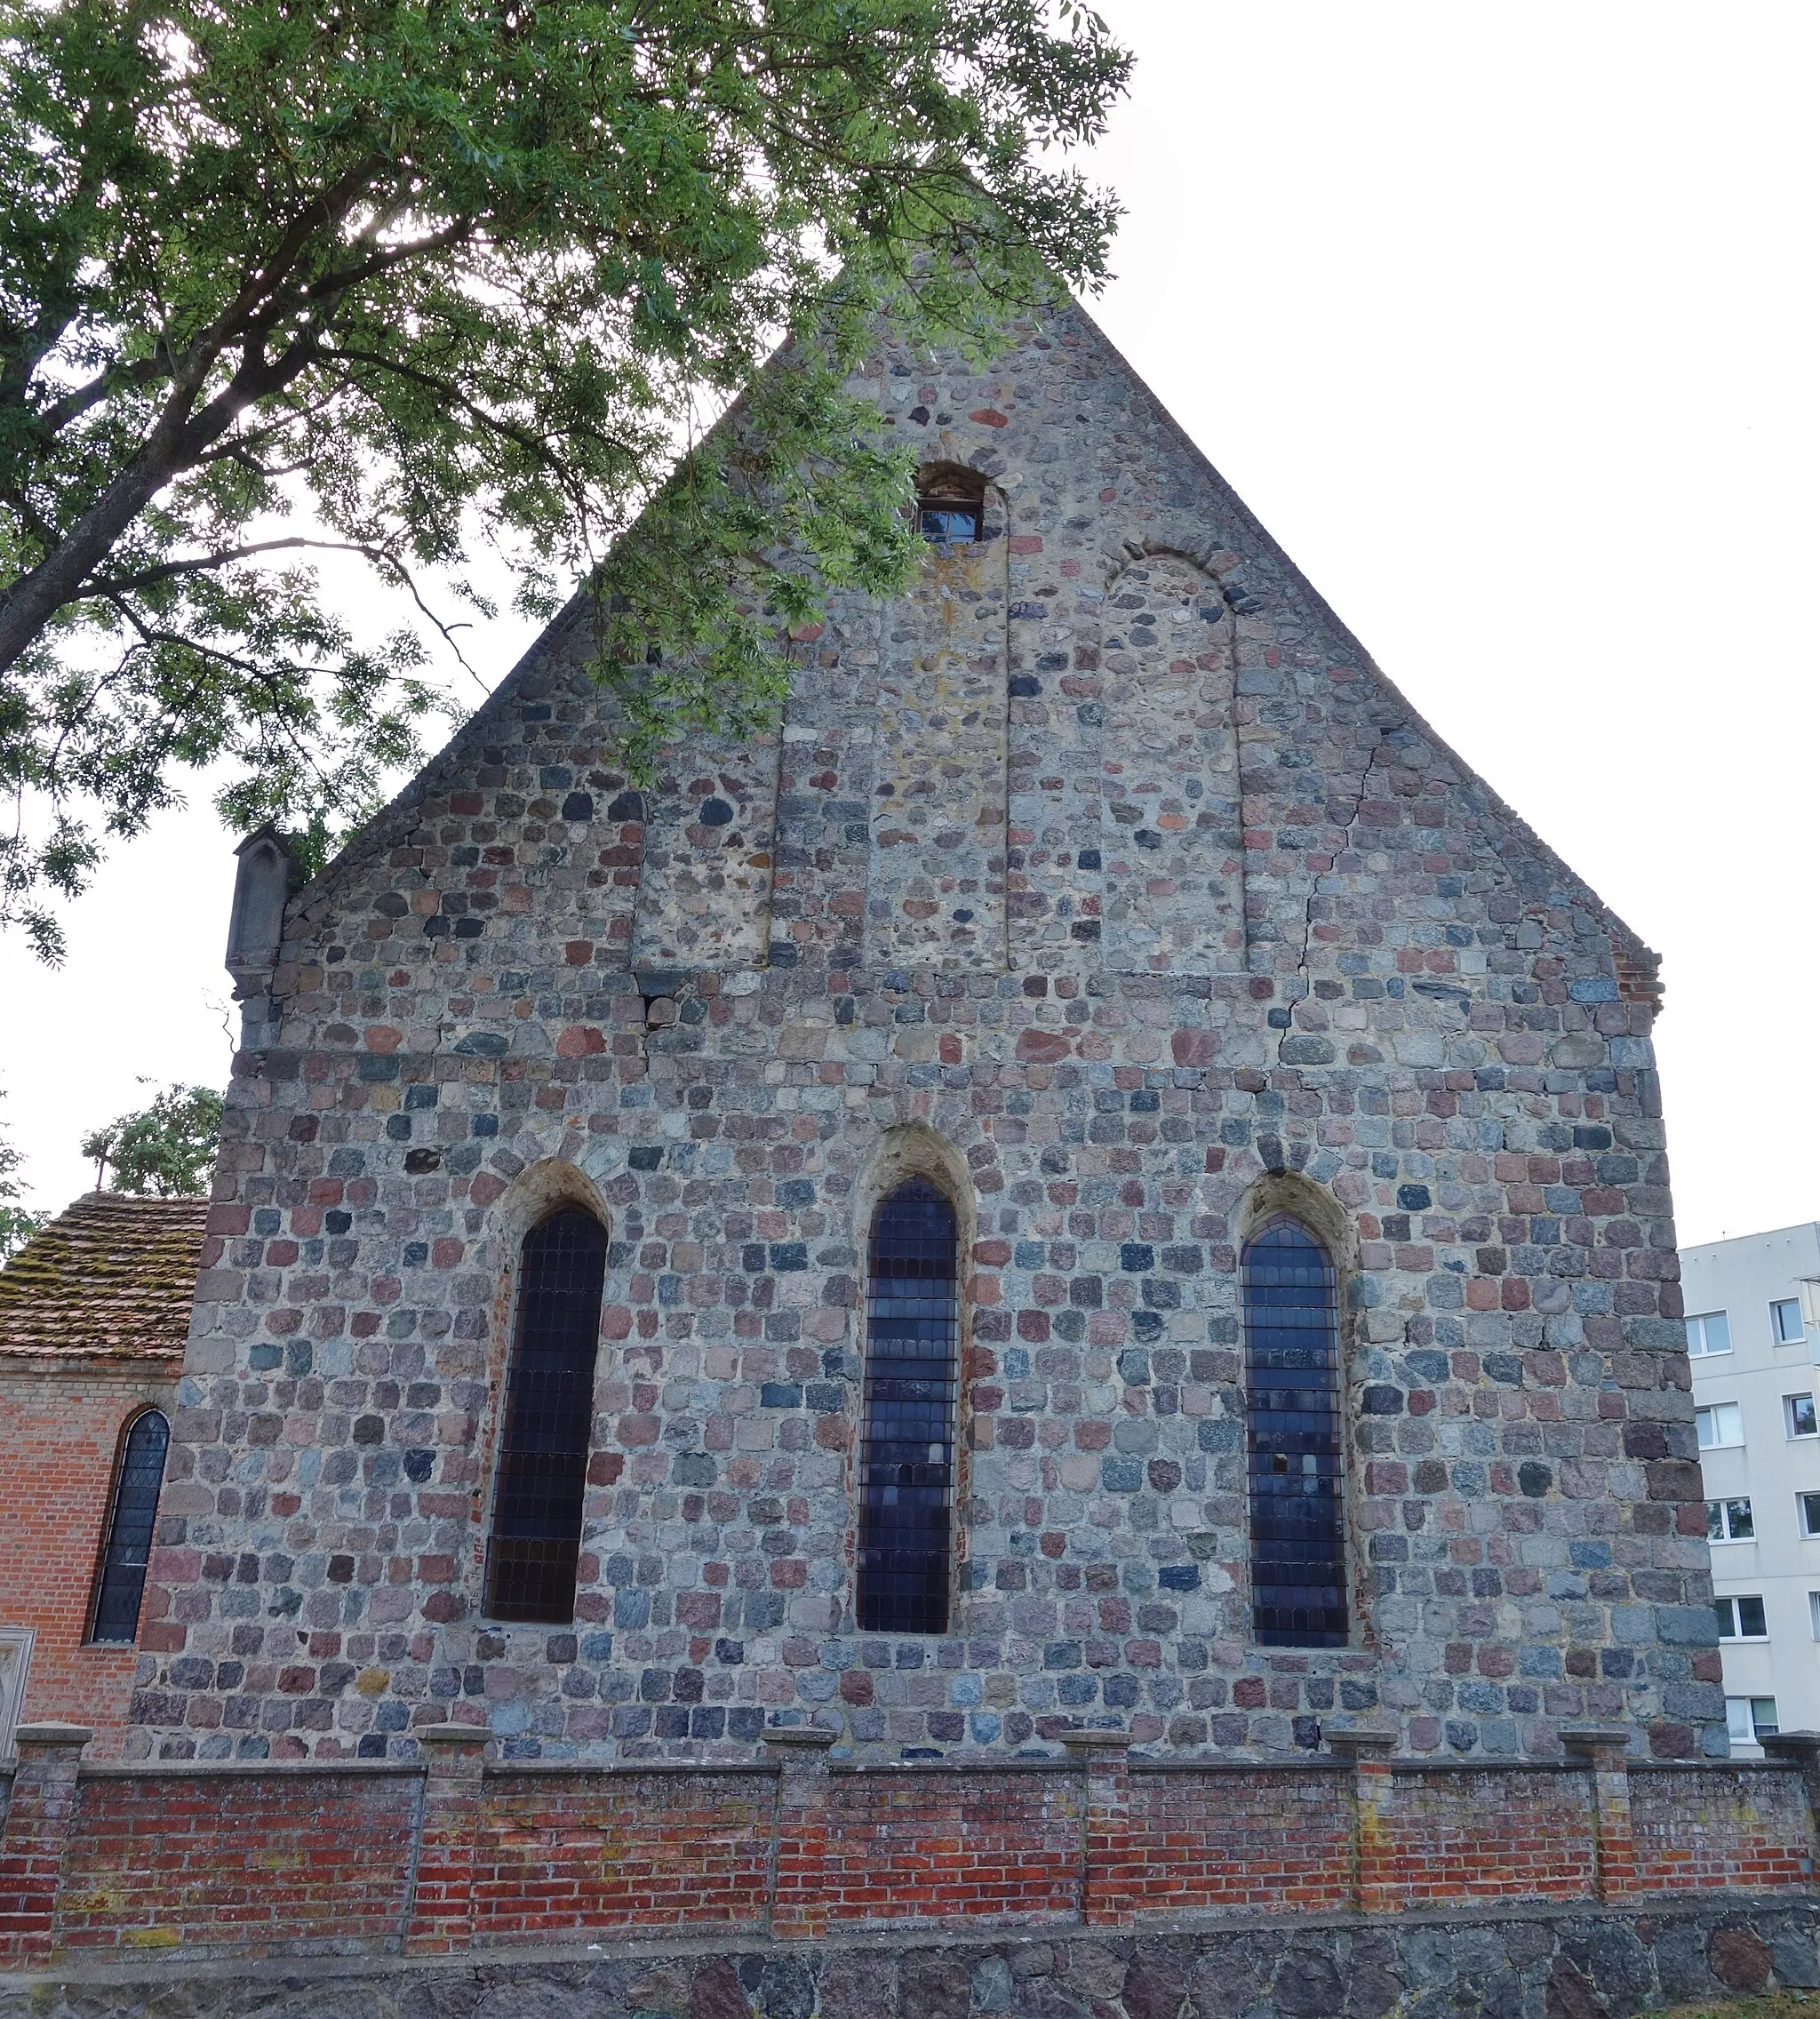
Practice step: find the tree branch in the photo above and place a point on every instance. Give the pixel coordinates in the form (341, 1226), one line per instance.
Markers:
(114, 588)
(147, 577)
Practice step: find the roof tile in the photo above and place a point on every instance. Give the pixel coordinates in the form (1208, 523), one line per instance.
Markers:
(113, 1277)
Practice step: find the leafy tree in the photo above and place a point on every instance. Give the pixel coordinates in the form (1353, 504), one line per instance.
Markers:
(167, 1149)
(395, 277)
(18, 1222)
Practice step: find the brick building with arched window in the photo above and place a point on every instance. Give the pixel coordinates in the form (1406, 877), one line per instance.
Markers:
(93, 1314)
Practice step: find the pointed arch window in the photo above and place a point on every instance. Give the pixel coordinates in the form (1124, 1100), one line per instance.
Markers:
(132, 1514)
(1299, 1582)
(907, 1453)
(549, 1414)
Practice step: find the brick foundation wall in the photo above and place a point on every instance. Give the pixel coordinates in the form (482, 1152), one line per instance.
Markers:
(1492, 1835)
(216, 1862)
(1242, 1839)
(220, 1862)
(60, 1440)
(950, 1847)
(1695, 1827)
(569, 1852)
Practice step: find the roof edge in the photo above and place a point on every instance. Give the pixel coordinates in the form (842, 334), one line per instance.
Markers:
(1641, 954)
(1638, 962)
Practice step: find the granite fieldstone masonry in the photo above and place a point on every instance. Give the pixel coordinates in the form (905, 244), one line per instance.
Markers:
(1535, 1965)
(1107, 884)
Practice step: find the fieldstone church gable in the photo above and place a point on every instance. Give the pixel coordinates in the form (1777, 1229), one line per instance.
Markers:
(1128, 1192)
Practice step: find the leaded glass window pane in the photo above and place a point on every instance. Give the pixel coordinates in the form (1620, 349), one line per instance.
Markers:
(906, 1455)
(1298, 1583)
(549, 1414)
(130, 1523)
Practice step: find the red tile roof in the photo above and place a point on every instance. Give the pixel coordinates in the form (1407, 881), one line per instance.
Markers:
(114, 1277)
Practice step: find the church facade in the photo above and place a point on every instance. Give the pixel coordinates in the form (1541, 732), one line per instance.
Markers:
(1098, 1179)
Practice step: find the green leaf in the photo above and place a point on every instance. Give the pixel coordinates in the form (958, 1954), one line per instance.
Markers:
(407, 281)
(167, 1149)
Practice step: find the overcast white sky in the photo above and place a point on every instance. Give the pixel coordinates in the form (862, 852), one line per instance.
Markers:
(1503, 319)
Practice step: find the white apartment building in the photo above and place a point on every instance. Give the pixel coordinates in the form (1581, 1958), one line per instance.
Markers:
(1753, 1339)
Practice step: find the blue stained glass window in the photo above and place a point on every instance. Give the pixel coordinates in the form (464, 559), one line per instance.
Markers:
(128, 1550)
(1298, 1579)
(549, 1415)
(907, 1455)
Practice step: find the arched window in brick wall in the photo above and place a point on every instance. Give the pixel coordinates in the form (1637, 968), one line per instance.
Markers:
(133, 1512)
(907, 1453)
(549, 1413)
(1293, 1429)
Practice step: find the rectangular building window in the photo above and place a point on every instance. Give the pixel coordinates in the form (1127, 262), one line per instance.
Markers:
(1707, 1335)
(1809, 1507)
(1785, 1321)
(1750, 1718)
(1799, 1416)
(1814, 1613)
(1719, 1426)
(1729, 1521)
(945, 522)
(1741, 1619)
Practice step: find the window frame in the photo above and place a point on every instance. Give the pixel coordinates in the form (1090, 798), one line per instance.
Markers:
(954, 489)
(1744, 1715)
(1733, 1601)
(1710, 1410)
(1344, 1634)
(492, 1569)
(1790, 1404)
(1778, 1305)
(950, 508)
(1809, 1532)
(1704, 1319)
(1722, 1505)
(871, 1600)
(98, 1583)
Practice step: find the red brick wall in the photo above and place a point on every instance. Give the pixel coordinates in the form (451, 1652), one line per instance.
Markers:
(59, 1439)
(1495, 1835)
(1242, 1838)
(916, 1844)
(1697, 1827)
(564, 1852)
(248, 1860)
(236, 1860)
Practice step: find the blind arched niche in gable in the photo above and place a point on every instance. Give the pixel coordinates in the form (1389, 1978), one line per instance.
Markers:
(1171, 850)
